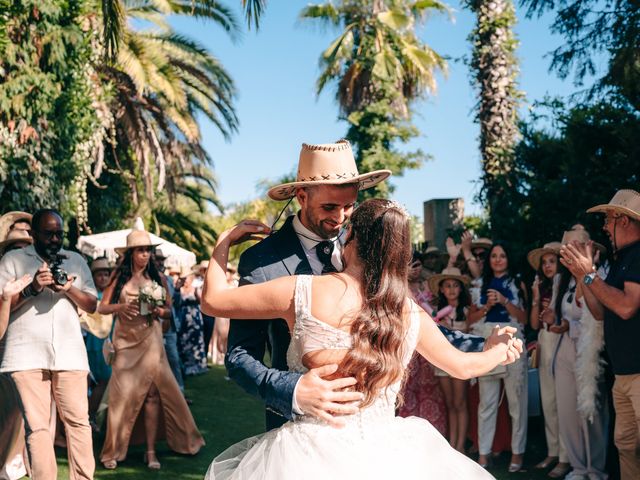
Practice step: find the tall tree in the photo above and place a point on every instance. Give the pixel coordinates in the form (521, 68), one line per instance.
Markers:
(601, 39)
(494, 72)
(380, 69)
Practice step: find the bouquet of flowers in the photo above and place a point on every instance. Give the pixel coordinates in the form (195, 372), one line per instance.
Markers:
(151, 295)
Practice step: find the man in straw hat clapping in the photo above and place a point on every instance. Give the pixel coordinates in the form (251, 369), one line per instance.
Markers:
(617, 300)
(309, 242)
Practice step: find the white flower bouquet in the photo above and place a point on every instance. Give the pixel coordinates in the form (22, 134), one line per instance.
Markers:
(151, 295)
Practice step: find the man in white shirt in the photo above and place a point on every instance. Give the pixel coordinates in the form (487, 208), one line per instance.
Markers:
(43, 350)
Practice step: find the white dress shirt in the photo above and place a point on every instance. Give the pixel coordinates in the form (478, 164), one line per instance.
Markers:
(309, 240)
(44, 333)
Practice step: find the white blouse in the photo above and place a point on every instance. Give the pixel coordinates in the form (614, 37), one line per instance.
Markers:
(44, 333)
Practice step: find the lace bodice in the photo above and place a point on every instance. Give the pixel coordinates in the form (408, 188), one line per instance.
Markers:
(311, 334)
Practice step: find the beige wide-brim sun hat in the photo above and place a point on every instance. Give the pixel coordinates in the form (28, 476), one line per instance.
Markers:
(580, 235)
(624, 202)
(9, 219)
(482, 242)
(200, 268)
(535, 255)
(137, 238)
(101, 263)
(328, 164)
(15, 236)
(452, 273)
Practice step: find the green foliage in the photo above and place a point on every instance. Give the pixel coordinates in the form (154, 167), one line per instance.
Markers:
(601, 38)
(380, 68)
(47, 114)
(579, 160)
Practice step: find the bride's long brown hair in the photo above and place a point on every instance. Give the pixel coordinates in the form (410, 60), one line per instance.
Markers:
(380, 229)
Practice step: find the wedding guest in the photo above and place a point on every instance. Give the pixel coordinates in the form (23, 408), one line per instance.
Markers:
(498, 301)
(451, 286)
(361, 322)
(43, 349)
(170, 336)
(14, 221)
(617, 300)
(545, 286)
(12, 462)
(141, 379)
(221, 326)
(208, 321)
(97, 328)
(580, 389)
(191, 335)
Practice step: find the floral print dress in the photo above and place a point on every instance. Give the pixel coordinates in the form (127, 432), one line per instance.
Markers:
(191, 336)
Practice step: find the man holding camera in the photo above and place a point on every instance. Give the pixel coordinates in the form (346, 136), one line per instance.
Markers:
(44, 353)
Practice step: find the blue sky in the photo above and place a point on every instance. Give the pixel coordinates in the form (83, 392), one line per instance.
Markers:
(275, 70)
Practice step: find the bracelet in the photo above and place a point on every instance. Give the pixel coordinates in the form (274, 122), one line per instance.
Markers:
(29, 291)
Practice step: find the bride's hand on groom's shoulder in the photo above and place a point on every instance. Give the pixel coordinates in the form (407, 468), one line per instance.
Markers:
(327, 399)
(244, 231)
(503, 337)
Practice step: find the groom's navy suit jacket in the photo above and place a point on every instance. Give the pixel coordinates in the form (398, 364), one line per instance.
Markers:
(278, 255)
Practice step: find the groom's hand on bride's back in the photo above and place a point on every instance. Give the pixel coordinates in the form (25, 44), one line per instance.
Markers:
(327, 399)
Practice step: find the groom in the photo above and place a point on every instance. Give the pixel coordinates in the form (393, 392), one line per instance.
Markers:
(308, 243)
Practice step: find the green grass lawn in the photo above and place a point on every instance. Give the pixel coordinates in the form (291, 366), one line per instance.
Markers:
(225, 414)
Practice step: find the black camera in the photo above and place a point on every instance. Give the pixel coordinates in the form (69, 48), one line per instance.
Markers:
(59, 274)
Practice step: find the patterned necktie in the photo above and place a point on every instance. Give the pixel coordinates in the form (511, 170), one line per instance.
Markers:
(324, 250)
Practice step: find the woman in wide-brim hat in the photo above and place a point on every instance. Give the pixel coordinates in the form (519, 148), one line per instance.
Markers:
(450, 288)
(11, 218)
(141, 376)
(15, 239)
(545, 262)
(327, 164)
(577, 371)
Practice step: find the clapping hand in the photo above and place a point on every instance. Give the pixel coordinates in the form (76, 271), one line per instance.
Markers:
(535, 289)
(453, 249)
(14, 287)
(415, 269)
(494, 297)
(578, 258)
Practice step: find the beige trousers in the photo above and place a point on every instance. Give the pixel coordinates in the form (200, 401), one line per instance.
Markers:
(547, 345)
(626, 400)
(69, 390)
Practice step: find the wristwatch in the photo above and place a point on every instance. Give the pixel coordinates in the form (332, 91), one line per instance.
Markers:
(589, 278)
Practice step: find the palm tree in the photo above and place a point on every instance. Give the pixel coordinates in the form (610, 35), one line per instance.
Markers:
(377, 44)
(495, 71)
(161, 82)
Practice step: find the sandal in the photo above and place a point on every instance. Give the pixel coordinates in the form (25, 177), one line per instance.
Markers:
(546, 463)
(151, 464)
(487, 463)
(560, 470)
(110, 464)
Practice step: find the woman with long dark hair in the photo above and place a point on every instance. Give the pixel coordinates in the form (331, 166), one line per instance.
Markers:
(544, 291)
(499, 301)
(362, 321)
(141, 380)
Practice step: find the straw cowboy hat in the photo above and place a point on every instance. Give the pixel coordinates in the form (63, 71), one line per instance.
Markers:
(200, 268)
(624, 202)
(137, 238)
(452, 273)
(101, 263)
(580, 235)
(13, 237)
(328, 164)
(10, 218)
(482, 242)
(535, 255)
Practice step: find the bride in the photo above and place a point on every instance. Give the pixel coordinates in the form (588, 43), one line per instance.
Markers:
(359, 323)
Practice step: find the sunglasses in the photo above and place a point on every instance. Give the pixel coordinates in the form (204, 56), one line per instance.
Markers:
(49, 234)
(143, 249)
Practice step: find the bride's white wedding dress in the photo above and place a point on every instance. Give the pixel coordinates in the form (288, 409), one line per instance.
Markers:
(374, 444)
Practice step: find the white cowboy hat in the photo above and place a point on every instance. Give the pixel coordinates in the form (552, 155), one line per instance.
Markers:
(101, 263)
(329, 164)
(535, 255)
(137, 238)
(15, 236)
(452, 273)
(10, 218)
(481, 242)
(580, 235)
(625, 202)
